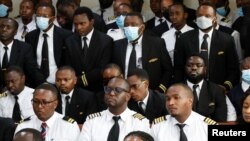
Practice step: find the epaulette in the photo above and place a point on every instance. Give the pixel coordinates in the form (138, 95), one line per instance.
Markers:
(159, 119)
(91, 116)
(139, 116)
(4, 94)
(68, 119)
(226, 20)
(209, 121)
(23, 120)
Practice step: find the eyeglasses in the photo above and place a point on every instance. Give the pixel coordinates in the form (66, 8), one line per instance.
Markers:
(42, 103)
(136, 86)
(116, 90)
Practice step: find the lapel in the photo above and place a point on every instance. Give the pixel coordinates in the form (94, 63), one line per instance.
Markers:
(73, 103)
(195, 42)
(123, 49)
(146, 47)
(150, 105)
(94, 45)
(204, 97)
(56, 46)
(59, 105)
(36, 38)
(214, 48)
(14, 55)
(76, 51)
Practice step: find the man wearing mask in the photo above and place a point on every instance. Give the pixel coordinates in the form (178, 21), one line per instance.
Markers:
(5, 8)
(47, 42)
(140, 50)
(217, 48)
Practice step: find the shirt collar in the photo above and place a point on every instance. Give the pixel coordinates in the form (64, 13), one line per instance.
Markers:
(89, 35)
(50, 121)
(190, 84)
(201, 33)
(145, 100)
(9, 45)
(49, 32)
(244, 86)
(189, 121)
(69, 94)
(124, 115)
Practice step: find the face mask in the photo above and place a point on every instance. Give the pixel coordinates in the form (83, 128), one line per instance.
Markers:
(246, 76)
(120, 21)
(204, 22)
(42, 23)
(3, 10)
(240, 11)
(131, 32)
(222, 11)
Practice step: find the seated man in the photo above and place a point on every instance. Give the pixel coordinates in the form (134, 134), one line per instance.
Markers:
(28, 134)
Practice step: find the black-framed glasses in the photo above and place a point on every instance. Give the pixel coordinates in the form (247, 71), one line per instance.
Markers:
(42, 103)
(116, 90)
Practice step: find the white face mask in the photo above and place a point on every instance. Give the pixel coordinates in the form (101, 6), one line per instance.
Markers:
(204, 22)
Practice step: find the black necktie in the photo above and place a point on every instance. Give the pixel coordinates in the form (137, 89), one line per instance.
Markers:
(67, 105)
(195, 102)
(24, 32)
(183, 136)
(132, 59)
(5, 58)
(140, 104)
(16, 116)
(204, 48)
(102, 11)
(85, 47)
(45, 57)
(160, 20)
(177, 34)
(114, 131)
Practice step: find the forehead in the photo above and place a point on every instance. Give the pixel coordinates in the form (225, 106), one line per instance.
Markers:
(133, 19)
(44, 9)
(26, 2)
(81, 17)
(43, 94)
(175, 90)
(205, 9)
(176, 7)
(133, 78)
(124, 8)
(115, 82)
(195, 59)
(7, 22)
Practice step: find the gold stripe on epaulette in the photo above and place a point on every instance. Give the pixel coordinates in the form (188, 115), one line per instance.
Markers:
(163, 87)
(210, 121)
(159, 119)
(139, 116)
(91, 116)
(4, 94)
(229, 84)
(71, 120)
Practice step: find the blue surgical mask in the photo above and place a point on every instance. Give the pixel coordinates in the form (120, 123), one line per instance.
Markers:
(131, 32)
(222, 11)
(240, 11)
(120, 21)
(42, 23)
(3, 10)
(246, 76)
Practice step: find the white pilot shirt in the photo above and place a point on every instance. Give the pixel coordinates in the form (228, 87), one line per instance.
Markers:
(196, 129)
(30, 26)
(116, 34)
(7, 103)
(57, 129)
(98, 125)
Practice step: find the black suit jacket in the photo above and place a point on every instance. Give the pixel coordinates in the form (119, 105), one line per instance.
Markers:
(99, 54)
(7, 129)
(212, 102)
(81, 105)
(156, 30)
(155, 106)
(223, 59)
(59, 37)
(21, 55)
(155, 60)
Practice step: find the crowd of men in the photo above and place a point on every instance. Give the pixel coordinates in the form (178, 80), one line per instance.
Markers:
(74, 73)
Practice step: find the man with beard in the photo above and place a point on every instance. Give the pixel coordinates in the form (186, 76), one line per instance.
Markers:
(118, 120)
(209, 99)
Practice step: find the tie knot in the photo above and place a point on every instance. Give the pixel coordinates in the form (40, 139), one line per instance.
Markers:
(205, 36)
(67, 98)
(116, 118)
(16, 97)
(195, 86)
(180, 125)
(133, 44)
(44, 125)
(25, 27)
(84, 38)
(141, 103)
(177, 33)
(45, 35)
(5, 48)
(160, 20)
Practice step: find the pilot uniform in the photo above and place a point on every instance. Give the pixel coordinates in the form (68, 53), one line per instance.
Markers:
(7, 102)
(196, 128)
(98, 125)
(58, 128)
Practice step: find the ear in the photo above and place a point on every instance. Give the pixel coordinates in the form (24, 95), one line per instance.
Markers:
(128, 96)
(92, 22)
(185, 16)
(142, 28)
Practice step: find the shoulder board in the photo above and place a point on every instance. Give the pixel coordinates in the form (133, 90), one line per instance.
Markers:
(159, 119)
(68, 119)
(91, 116)
(226, 20)
(23, 120)
(139, 116)
(4, 94)
(209, 121)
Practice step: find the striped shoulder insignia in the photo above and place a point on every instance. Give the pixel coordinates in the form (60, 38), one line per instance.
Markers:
(4, 94)
(68, 119)
(23, 120)
(209, 121)
(139, 116)
(159, 119)
(226, 20)
(91, 116)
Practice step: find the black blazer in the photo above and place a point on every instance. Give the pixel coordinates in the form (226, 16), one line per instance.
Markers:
(99, 54)
(155, 106)
(155, 60)
(156, 30)
(21, 55)
(212, 102)
(59, 37)
(81, 105)
(223, 60)
(7, 129)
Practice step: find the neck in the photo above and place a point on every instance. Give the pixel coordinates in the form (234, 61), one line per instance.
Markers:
(26, 21)
(180, 27)
(207, 30)
(116, 111)
(7, 42)
(183, 118)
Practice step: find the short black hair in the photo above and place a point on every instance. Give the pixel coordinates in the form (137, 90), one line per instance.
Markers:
(110, 66)
(17, 69)
(84, 10)
(137, 14)
(12, 20)
(66, 68)
(36, 134)
(207, 4)
(49, 87)
(197, 55)
(45, 4)
(142, 135)
(140, 73)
